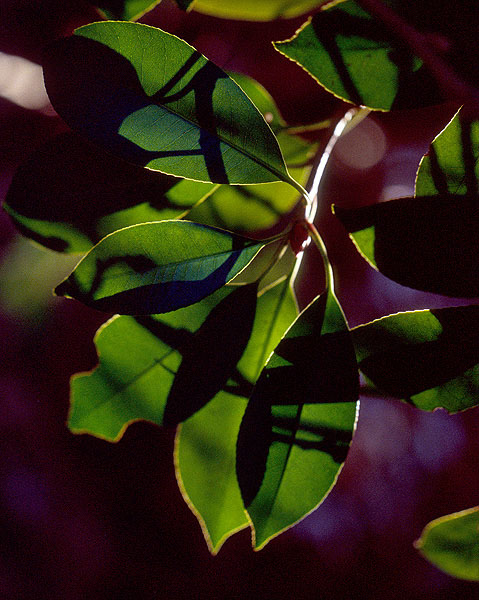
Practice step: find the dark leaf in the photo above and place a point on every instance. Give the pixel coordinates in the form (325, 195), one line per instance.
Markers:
(69, 194)
(429, 358)
(429, 243)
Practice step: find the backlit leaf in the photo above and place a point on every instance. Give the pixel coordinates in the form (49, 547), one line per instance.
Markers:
(205, 453)
(127, 10)
(157, 267)
(451, 164)
(69, 194)
(151, 98)
(429, 357)
(252, 10)
(163, 368)
(451, 543)
(429, 243)
(359, 60)
(298, 425)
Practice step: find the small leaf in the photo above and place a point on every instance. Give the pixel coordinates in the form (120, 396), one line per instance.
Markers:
(451, 164)
(126, 10)
(68, 195)
(429, 357)
(429, 243)
(451, 543)
(151, 98)
(252, 10)
(359, 60)
(157, 267)
(299, 421)
(205, 453)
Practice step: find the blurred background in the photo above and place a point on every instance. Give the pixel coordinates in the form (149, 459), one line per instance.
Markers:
(81, 517)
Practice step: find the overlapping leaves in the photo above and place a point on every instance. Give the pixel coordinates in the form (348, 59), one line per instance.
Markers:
(152, 99)
(158, 267)
(299, 421)
(358, 59)
(429, 242)
(429, 358)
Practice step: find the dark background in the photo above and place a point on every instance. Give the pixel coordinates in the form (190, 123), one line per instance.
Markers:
(82, 518)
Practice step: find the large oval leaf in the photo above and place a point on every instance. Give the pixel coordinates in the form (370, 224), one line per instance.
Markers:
(359, 60)
(429, 357)
(205, 453)
(152, 99)
(451, 543)
(429, 243)
(68, 195)
(298, 425)
(157, 267)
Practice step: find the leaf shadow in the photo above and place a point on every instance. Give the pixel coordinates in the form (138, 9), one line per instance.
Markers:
(99, 89)
(69, 180)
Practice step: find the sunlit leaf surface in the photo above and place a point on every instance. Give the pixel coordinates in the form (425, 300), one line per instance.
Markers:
(451, 543)
(429, 358)
(206, 442)
(151, 98)
(254, 10)
(298, 425)
(128, 10)
(69, 194)
(157, 267)
(451, 164)
(359, 60)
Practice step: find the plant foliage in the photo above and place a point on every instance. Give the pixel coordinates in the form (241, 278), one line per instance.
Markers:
(170, 162)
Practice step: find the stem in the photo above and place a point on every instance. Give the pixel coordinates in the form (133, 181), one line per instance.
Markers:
(318, 241)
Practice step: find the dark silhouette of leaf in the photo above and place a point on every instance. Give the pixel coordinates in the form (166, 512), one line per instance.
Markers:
(69, 194)
(429, 358)
(128, 10)
(429, 243)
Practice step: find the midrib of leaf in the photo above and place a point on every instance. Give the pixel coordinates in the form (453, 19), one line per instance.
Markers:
(224, 138)
(294, 430)
(156, 363)
(272, 323)
(176, 265)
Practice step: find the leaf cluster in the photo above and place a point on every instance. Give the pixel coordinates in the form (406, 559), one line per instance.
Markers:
(170, 173)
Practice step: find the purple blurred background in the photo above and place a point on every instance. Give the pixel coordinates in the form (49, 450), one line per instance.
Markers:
(82, 518)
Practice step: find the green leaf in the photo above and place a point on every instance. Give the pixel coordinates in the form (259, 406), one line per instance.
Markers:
(252, 10)
(356, 58)
(429, 357)
(126, 10)
(205, 452)
(298, 425)
(68, 195)
(157, 267)
(451, 164)
(429, 243)
(151, 98)
(180, 362)
(451, 543)
(256, 207)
